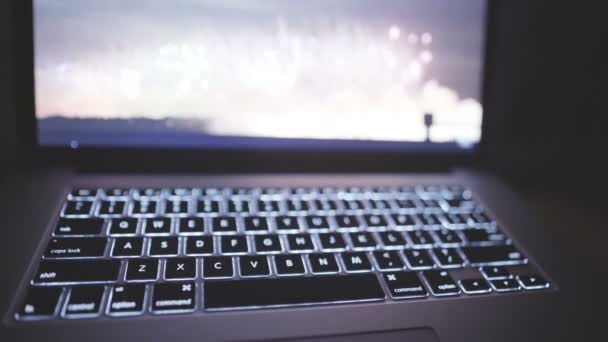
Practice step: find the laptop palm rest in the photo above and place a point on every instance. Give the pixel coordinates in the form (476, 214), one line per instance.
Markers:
(406, 335)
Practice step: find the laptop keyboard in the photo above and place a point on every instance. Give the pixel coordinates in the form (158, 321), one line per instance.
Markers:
(130, 252)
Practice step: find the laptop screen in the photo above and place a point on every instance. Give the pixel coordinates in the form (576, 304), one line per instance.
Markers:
(326, 74)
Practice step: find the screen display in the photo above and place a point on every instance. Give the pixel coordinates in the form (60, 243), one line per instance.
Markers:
(402, 74)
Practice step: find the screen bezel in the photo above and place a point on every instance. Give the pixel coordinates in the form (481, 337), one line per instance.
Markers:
(145, 159)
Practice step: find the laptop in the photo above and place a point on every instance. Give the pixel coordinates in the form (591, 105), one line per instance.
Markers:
(263, 170)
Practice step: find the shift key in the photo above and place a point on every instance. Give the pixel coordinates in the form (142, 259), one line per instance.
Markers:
(77, 271)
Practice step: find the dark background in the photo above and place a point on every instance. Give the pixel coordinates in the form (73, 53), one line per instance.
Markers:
(7, 103)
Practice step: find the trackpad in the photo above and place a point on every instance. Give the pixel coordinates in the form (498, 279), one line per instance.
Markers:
(417, 334)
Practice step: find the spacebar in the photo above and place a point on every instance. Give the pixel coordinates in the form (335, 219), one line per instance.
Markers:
(291, 291)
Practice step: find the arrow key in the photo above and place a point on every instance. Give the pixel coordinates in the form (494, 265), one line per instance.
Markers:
(474, 286)
(533, 282)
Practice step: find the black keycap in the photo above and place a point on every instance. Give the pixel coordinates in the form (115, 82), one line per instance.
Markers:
(84, 193)
(267, 243)
(84, 300)
(456, 220)
(268, 206)
(117, 192)
(347, 222)
(174, 297)
(76, 247)
(323, 263)
(234, 244)
(211, 191)
(505, 285)
(112, 207)
(78, 208)
(328, 190)
(418, 259)
(375, 221)
(160, 246)
(224, 225)
(326, 205)
(296, 205)
(430, 204)
(429, 221)
(363, 240)
(447, 237)
(533, 282)
(448, 257)
(191, 225)
(301, 191)
(199, 245)
(403, 220)
(144, 207)
(272, 191)
(241, 191)
(493, 255)
(379, 204)
(217, 267)
(474, 286)
(180, 268)
(147, 192)
(131, 246)
(495, 272)
(289, 264)
(356, 261)
(300, 242)
(481, 218)
(286, 223)
(180, 192)
(256, 265)
(317, 222)
(291, 291)
(126, 226)
(79, 226)
(388, 260)
(142, 269)
(482, 236)
(441, 283)
(420, 238)
(238, 206)
(353, 205)
(331, 241)
(40, 301)
(157, 226)
(208, 206)
(255, 224)
(406, 204)
(127, 299)
(67, 271)
(176, 207)
(392, 239)
(404, 285)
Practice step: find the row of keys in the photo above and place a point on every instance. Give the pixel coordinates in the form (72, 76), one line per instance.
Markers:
(89, 247)
(82, 207)
(260, 224)
(52, 271)
(448, 192)
(179, 297)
